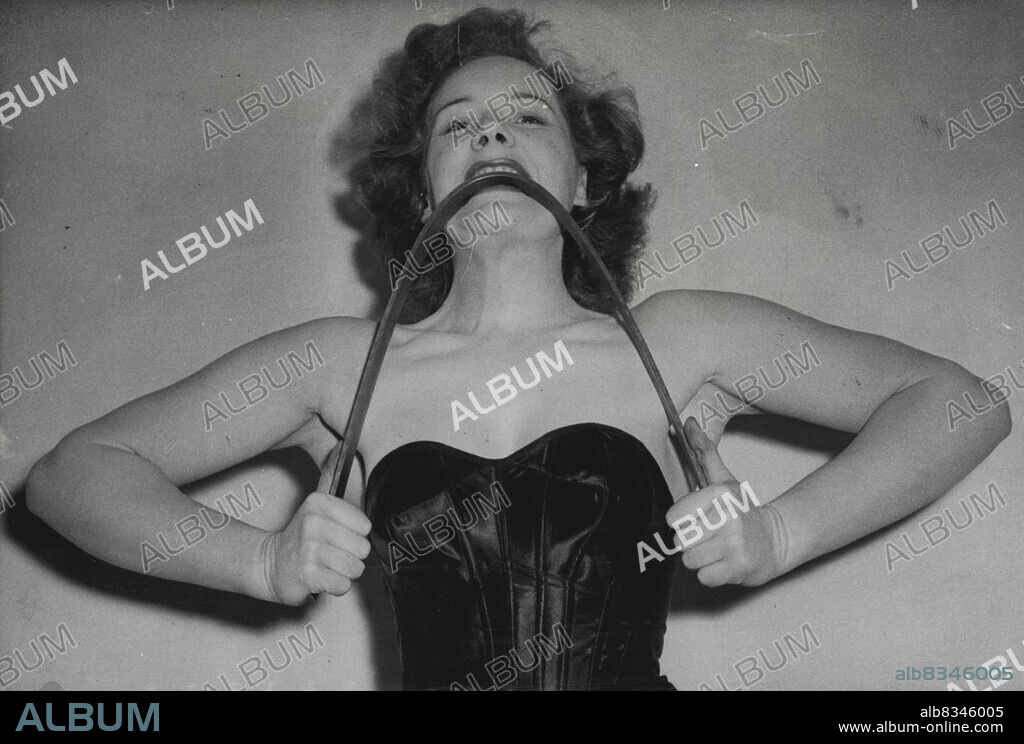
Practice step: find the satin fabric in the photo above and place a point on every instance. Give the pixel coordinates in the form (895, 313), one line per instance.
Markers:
(522, 573)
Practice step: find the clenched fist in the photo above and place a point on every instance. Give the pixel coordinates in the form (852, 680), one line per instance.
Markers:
(740, 547)
(321, 550)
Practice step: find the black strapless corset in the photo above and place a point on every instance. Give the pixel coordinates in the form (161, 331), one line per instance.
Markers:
(523, 572)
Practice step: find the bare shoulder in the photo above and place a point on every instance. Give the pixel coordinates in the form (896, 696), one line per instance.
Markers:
(336, 343)
(335, 331)
(703, 307)
(339, 344)
(266, 393)
(342, 338)
(345, 338)
(831, 375)
(696, 334)
(717, 322)
(734, 326)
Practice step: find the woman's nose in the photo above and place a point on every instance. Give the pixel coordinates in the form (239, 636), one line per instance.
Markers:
(499, 135)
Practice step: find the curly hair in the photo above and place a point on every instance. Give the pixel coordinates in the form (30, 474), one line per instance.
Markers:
(605, 132)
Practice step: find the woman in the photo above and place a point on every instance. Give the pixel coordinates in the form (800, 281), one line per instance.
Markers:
(510, 530)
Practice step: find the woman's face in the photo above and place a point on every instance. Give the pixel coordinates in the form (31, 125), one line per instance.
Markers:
(464, 131)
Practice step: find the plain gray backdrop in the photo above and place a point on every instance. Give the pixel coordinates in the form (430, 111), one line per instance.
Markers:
(844, 176)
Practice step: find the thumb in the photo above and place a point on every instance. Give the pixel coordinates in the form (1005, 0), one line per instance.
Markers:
(332, 463)
(326, 475)
(707, 452)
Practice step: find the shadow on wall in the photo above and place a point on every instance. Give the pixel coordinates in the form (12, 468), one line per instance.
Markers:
(77, 567)
(350, 156)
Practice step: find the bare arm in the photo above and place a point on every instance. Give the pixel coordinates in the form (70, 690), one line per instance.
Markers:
(893, 396)
(111, 486)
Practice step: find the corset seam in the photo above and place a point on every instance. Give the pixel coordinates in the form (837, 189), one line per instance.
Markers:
(575, 571)
(598, 635)
(501, 530)
(540, 566)
(477, 581)
(622, 657)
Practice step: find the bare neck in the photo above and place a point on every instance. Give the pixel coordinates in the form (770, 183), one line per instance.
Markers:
(509, 282)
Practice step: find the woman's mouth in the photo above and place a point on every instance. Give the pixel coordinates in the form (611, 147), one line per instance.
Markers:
(504, 165)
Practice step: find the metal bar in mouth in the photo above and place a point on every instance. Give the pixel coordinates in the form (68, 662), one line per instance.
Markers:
(340, 462)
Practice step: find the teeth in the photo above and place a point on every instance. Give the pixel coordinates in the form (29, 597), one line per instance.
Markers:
(495, 169)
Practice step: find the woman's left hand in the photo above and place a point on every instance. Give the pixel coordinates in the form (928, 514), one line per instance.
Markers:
(746, 548)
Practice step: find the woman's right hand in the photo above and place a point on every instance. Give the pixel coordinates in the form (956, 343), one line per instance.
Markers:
(320, 551)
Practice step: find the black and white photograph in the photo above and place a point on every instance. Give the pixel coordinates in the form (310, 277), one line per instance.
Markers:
(393, 345)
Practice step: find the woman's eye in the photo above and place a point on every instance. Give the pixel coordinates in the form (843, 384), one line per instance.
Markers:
(531, 119)
(456, 124)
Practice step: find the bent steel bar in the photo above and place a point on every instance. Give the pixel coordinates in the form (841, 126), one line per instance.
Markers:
(341, 458)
